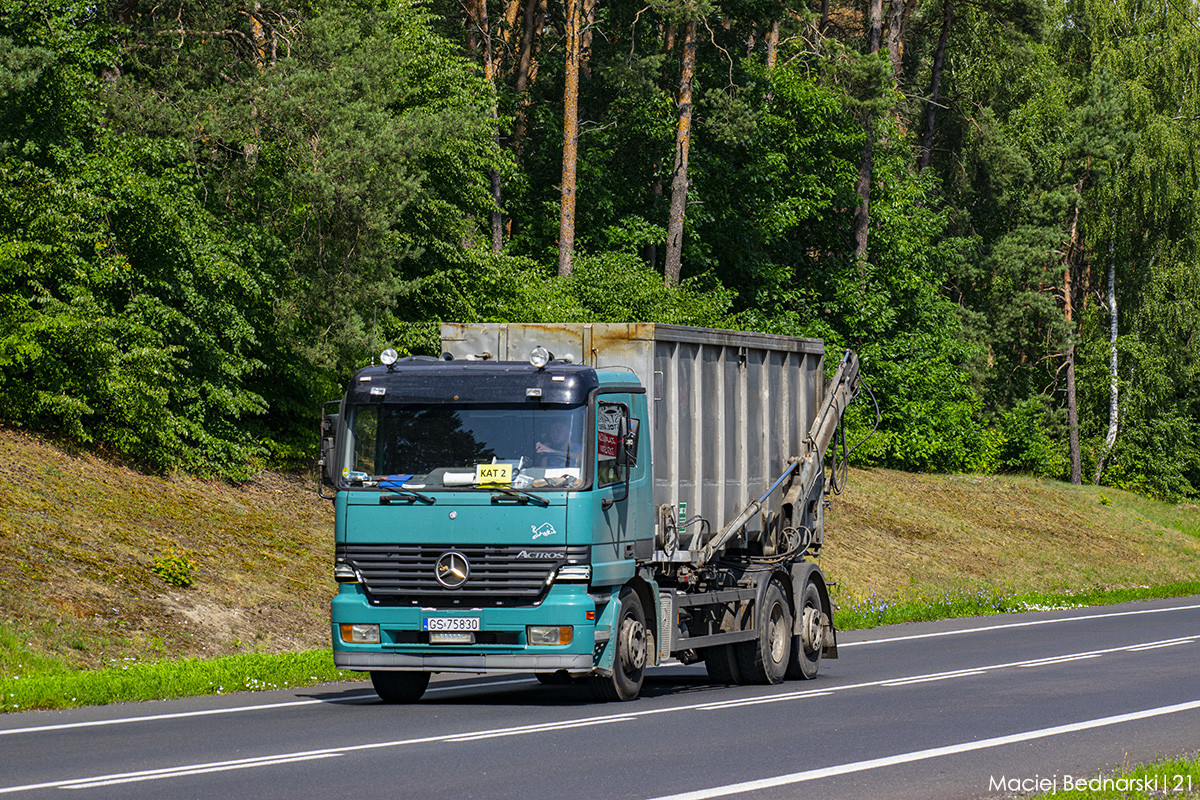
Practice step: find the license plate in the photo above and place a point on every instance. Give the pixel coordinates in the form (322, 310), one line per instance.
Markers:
(450, 624)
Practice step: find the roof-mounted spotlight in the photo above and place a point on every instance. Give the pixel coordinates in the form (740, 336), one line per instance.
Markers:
(388, 358)
(539, 357)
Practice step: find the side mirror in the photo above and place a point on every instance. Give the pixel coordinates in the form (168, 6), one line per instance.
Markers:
(328, 448)
(326, 462)
(627, 444)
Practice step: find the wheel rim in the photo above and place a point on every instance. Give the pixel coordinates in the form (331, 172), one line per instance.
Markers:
(633, 645)
(810, 630)
(778, 636)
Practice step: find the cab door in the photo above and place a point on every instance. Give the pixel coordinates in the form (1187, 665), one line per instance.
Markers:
(623, 528)
(614, 525)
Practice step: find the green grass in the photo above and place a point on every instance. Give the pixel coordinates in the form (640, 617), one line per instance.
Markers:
(1174, 777)
(37, 686)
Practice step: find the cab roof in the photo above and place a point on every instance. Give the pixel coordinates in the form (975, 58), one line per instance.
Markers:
(424, 379)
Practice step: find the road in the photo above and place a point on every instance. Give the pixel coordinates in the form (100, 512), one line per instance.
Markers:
(985, 707)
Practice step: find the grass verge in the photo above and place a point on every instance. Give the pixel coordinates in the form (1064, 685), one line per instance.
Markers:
(1174, 777)
(36, 682)
(65, 688)
(873, 610)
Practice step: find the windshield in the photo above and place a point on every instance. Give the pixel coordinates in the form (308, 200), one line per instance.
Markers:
(435, 446)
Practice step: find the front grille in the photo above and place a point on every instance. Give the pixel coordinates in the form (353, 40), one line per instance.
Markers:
(404, 574)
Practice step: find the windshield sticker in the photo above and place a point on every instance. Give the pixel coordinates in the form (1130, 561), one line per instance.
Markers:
(494, 474)
(545, 529)
(610, 427)
(394, 481)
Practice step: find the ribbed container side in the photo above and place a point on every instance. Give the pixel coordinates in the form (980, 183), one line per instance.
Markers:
(729, 408)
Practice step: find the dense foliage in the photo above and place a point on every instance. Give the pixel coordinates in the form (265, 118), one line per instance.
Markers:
(211, 212)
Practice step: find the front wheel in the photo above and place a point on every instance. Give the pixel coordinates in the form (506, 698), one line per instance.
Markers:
(629, 663)
(399, 687)
(807, 645)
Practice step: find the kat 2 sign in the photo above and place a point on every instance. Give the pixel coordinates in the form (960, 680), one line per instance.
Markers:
(610, 415)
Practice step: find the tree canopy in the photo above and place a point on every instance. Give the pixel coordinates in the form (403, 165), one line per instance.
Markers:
(213, 212)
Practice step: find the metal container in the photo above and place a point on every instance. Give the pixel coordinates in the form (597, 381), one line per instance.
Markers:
(729, 408)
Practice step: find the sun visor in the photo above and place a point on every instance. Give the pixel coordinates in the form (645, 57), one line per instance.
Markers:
(413, 380)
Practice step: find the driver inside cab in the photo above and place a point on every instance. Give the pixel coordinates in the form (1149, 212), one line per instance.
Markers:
(555, 448)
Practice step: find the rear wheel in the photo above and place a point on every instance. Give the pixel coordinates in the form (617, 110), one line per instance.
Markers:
(399, 687)
(765, 659)
(629, 662)
(806, 645)
(721, 664)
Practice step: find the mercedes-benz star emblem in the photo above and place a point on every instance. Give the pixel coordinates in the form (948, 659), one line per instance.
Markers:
(452, 569)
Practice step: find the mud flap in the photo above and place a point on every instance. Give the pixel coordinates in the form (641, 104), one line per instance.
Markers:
(604, 653)
(802, 573)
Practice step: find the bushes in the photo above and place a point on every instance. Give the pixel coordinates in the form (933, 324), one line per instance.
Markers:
(1022, 441)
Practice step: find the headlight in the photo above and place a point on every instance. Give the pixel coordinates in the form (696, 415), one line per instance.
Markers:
(359, 633)
(553, 635)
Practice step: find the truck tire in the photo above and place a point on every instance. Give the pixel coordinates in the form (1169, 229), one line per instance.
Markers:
(765, 659)
(629, 661)
(806, 645)
(399, 687)
(721, 664)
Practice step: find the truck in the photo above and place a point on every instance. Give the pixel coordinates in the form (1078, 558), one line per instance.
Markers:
(583, 501)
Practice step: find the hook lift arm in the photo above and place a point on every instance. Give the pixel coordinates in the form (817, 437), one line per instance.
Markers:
(806, 468)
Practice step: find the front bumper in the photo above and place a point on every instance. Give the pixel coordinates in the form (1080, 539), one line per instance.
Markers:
(564, 604)
(495, 662)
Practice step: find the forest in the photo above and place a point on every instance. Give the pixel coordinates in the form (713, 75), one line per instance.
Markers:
(213, 211)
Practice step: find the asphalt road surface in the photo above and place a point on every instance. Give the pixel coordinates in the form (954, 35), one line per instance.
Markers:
(987, 707)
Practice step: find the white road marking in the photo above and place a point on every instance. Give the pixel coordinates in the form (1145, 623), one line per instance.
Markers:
(962, 673)
(470, 736)
(934, 752)
(756, 701)
(554, 726)
(179, 773)
(62, 726)
(1007, 625)
(1045, 662)
(240, 709)
(1160, 645)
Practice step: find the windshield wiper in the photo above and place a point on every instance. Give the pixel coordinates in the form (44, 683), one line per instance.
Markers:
(520, 494)
(407, 494)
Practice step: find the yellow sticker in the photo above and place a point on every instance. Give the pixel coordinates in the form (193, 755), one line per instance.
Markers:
(493, 474)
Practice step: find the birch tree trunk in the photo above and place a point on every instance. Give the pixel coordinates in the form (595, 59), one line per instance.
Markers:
(679, 177)
(1110, 438)
(566, 228)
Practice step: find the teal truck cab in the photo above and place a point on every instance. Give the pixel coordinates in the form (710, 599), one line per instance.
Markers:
(504, 515)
